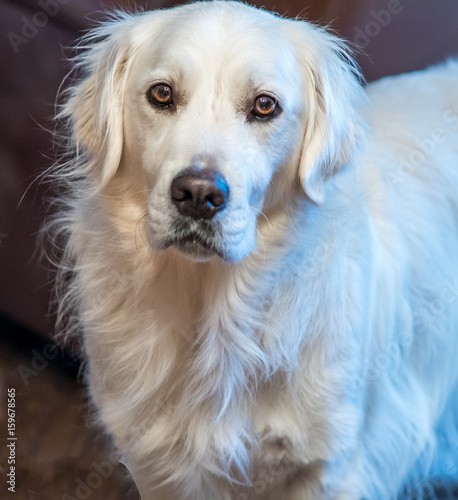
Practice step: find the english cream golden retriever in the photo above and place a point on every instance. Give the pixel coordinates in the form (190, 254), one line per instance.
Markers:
(264, 257)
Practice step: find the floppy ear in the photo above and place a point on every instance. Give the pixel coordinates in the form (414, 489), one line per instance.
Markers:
(333, 91)
(95, 105)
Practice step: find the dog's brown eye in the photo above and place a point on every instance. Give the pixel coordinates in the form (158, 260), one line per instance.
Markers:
(264, 106)
(161, 95)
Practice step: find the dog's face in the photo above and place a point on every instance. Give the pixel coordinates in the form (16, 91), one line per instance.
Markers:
(210, 119)
(210, 101)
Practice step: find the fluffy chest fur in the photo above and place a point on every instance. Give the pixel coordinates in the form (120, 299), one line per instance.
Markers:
(224, 365)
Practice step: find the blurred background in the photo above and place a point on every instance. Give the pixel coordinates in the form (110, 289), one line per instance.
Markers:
(60, 452)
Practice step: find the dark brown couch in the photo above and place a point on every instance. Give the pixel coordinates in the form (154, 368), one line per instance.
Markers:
(395, 36)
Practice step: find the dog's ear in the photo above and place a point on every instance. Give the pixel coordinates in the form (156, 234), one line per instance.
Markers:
(333, 92)
(94, 107)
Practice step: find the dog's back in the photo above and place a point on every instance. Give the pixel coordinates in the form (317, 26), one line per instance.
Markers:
(410, 176)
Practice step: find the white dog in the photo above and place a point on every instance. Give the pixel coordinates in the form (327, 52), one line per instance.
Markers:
(264, 257)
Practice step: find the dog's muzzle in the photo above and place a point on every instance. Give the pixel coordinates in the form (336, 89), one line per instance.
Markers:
(198, 196)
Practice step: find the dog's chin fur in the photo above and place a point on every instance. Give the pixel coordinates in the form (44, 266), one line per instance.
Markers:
(195, 251)
(198, 241)
(311, 355)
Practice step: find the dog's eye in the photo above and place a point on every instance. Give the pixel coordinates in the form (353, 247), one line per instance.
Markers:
(264, 106)
(161, 95)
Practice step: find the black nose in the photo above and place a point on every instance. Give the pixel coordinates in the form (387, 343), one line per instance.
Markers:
(199, 193)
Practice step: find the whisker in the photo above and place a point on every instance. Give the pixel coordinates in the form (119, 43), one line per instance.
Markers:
(261, 213)
(139, 229)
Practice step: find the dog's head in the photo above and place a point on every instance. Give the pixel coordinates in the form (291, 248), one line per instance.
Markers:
(217, 111)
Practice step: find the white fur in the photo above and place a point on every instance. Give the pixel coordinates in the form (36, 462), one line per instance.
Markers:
(315, 356)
